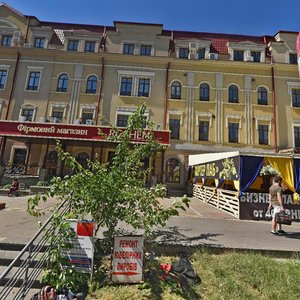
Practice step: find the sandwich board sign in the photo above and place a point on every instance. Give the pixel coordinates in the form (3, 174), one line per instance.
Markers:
(81, 253)
(128, 259)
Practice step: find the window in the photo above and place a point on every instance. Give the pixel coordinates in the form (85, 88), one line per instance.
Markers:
(203, 130)
(183, 52)
(297, 136)
(19, 157)
(3, 75)
(174, 125)
(62, 85)
(86, 116)
(57, 115)
(233, 132)
(238, 55)
(176, 90)
(122, 120)
(91, 85)
(233, 94)
(256, 56)
(39, 42)
(201, 53)
(33, 81)
(83, 158)
(263, 134)
(128, 49)
(296, 97)
(6, 40)
(28, 113)
(72, 45)
(262, 96)
(89, 47)
(126, 86)
(204, 92)
(173, 170)
(145, 50)
(293, 58)
(144, 85)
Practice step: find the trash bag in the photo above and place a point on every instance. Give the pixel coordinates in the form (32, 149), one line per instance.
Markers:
(184, 270)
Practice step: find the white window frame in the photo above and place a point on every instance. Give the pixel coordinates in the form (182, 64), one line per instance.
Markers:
(33, 69)
(175, 112)
(90, 107)
(28, 106)
(128, 111)
(259, 120)
(204, 116)
(295, 123)
(292, 85)
(135, 75)
(58, 105)
(235, 117)
(5, 68)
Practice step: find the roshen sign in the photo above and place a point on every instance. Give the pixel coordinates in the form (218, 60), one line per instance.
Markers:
(128, 259)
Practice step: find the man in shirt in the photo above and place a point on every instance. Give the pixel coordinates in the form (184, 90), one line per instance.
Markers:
(276, 201)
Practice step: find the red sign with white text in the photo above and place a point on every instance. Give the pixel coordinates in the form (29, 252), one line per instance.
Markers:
(76, 132)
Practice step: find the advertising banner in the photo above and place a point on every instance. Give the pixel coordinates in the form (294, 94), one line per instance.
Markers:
(77, 132)
(253, 206)
(128, 259)
(227, 168)
(81, 255)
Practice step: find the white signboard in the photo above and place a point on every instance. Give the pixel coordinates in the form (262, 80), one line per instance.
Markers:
(128, 259)
(81, 255)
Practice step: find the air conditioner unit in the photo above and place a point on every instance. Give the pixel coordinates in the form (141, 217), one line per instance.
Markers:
(22, 118)
(193, 55)
(18, 34)
(249, 58)
(193, 46)
(214, 56)
(77, 121)
(89, 122)
(27, 45)
(54, 120)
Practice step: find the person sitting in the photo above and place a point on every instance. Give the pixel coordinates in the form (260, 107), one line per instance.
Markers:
(14, 187)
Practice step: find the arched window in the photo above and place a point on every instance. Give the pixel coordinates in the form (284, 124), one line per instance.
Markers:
(233, 94)
(91, 85)
(176, 90)
(262, 96)
(82, 158)
(204, 92)
(62, 85)
(173, 170)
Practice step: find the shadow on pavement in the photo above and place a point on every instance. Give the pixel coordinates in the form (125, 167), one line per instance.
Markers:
(292, 235)
(171, 235)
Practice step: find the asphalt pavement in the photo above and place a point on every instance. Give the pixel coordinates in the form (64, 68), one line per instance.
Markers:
(201, 224)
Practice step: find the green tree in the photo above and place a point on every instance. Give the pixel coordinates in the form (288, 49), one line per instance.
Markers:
(116, 192)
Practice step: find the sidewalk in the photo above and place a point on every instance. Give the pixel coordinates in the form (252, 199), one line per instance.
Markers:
(201, 224)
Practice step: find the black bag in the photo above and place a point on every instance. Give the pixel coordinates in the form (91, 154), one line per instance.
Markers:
(283, 218)
(184, 268)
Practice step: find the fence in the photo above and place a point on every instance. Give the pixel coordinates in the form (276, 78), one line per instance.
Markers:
(225, 200)
(28, 264)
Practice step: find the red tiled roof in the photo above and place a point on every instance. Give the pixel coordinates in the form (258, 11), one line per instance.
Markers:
(219, 40)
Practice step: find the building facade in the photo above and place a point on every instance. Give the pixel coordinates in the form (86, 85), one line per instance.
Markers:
(213, 92)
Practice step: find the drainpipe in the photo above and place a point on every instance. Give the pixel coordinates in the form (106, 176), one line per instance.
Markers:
(274, 108)
(100, 91)
(166, 97)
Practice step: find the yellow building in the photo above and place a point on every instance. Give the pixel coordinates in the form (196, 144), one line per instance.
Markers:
(214, 92)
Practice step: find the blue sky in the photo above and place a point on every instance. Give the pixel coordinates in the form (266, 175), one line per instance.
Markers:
(255, 17)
